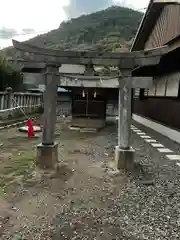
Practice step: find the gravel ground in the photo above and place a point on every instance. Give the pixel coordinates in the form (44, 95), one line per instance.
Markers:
(88, 199)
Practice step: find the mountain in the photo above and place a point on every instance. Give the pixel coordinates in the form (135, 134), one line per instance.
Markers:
(109, 30)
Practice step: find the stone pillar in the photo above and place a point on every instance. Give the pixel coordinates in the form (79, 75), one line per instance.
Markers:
(123, 152)
(47, 151)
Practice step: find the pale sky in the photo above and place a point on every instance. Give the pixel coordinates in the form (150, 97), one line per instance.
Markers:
(40, 15)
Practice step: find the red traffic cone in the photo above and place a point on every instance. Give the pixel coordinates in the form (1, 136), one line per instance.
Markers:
(30, 128)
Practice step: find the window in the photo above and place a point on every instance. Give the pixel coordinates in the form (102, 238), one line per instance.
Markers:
(163, 86)
(152, 90)
(160, 86)
(173, 85)
(136, 92)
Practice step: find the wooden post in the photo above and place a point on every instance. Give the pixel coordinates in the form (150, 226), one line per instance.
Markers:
(47, 151)
(10, 97)
(132, 101)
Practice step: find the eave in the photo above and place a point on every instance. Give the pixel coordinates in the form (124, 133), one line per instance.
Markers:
(148, 22)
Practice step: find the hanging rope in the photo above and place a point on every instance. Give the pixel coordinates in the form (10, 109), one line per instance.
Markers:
(21, 109)
(82, 77)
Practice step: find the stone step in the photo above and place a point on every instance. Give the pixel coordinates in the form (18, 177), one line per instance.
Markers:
(80, 129)
(89, 130)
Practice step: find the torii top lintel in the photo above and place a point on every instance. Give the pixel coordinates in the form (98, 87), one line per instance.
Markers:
(126, 60)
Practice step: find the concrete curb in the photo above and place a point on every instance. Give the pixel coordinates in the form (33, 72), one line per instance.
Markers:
(158, 127)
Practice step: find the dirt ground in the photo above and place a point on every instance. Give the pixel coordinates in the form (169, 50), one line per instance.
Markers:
(63, 205)
(87, 198)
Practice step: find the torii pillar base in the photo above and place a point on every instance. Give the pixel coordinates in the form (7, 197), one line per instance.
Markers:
(124, 158)
(47, 156)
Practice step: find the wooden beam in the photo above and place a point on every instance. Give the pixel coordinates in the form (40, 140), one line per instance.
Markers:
(123, 60)
(114, 82)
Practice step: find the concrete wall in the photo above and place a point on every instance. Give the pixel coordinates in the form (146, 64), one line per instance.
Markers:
(32, 80)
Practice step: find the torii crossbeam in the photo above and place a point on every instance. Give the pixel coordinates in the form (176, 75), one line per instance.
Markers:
(127, 60)
(47, 155)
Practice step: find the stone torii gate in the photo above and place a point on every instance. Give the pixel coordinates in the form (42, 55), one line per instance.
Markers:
(47, 151)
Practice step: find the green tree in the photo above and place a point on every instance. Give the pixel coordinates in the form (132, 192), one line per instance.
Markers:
(9, 77)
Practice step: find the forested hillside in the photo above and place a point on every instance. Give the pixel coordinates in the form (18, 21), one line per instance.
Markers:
(109, 30)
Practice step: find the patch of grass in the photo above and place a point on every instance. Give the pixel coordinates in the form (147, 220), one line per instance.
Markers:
(16, 169)
(2, 183)
(19, 164)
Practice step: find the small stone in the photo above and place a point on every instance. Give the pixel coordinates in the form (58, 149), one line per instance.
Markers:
(14, 208)
(4, 219)
(147, 182)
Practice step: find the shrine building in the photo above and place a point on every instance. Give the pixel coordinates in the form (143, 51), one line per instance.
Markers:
(160, 26)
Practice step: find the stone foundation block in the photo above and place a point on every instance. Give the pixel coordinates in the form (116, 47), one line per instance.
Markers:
(47, 156)
(124, 158)
(88, 123)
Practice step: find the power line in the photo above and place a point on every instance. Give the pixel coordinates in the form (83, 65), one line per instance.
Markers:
(24, 34)
(40, 32)
(141, 9)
